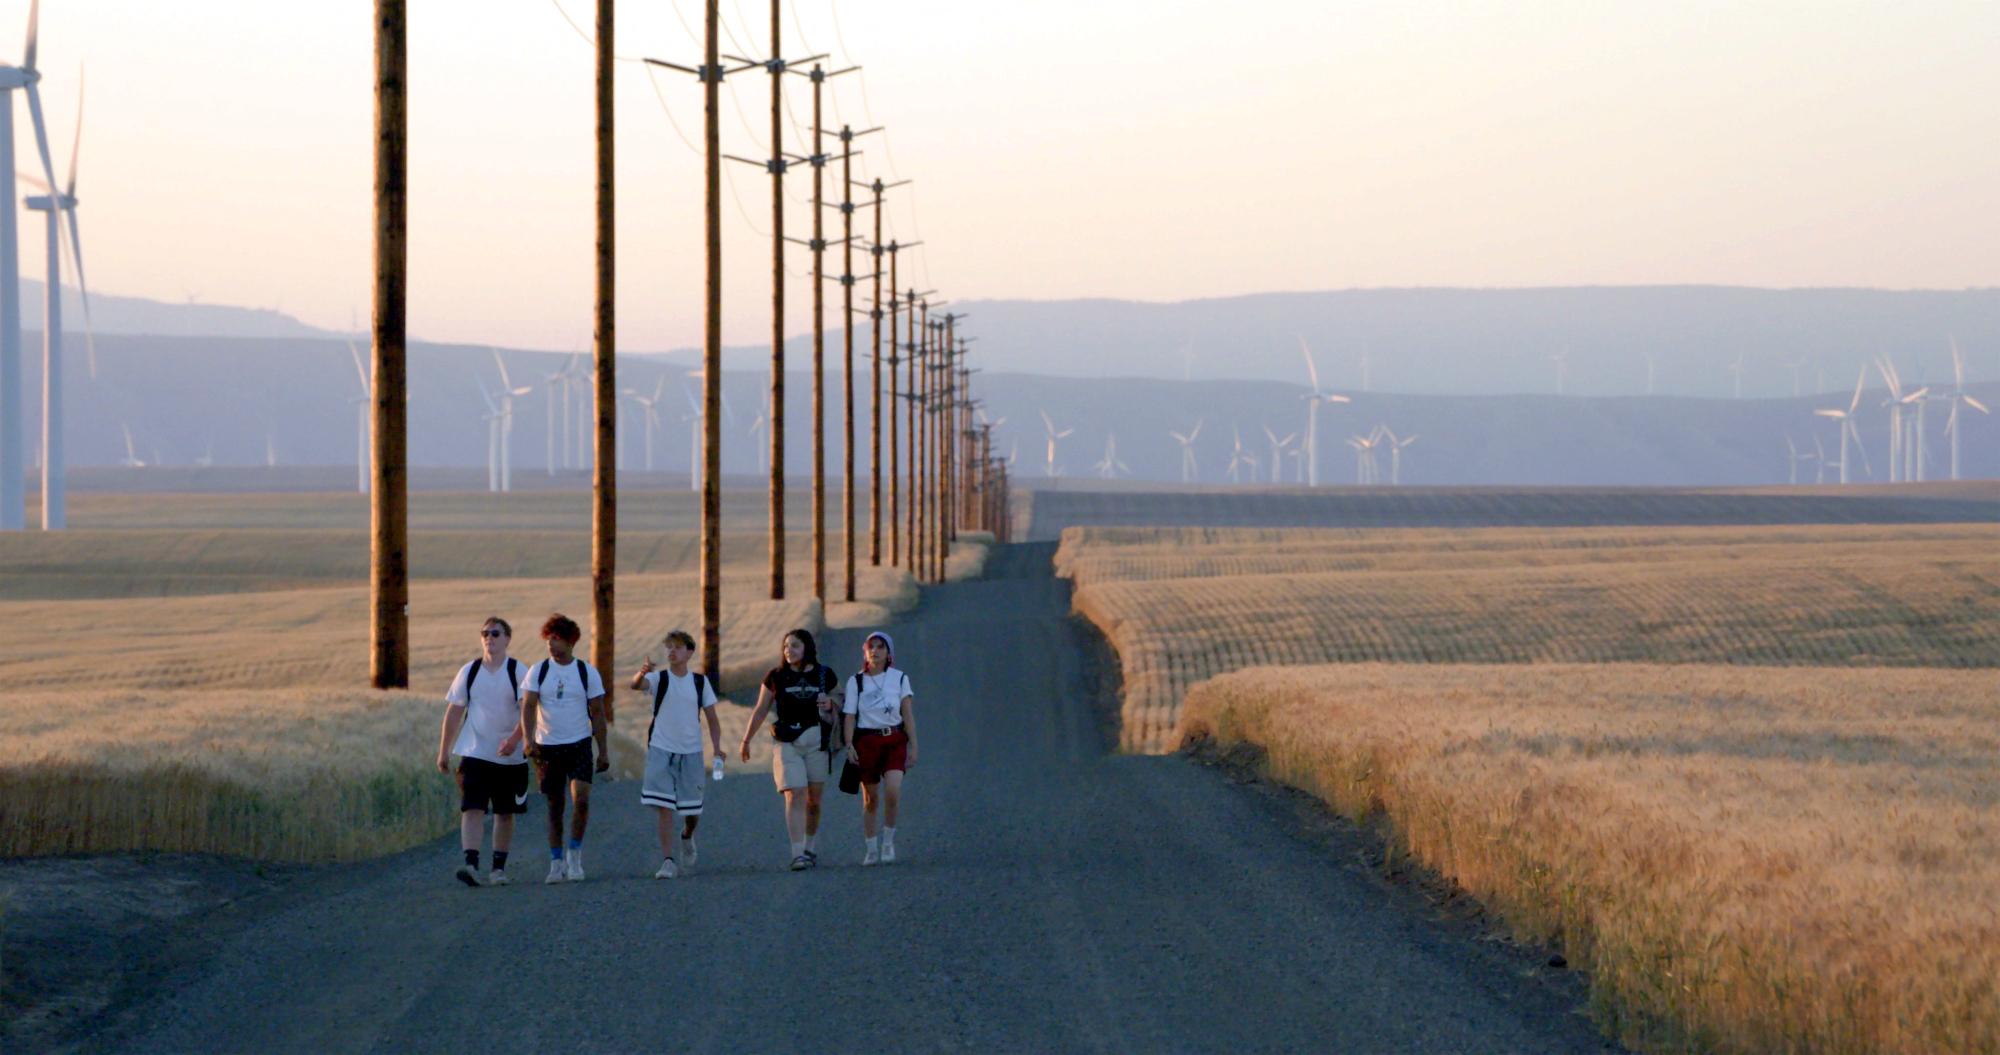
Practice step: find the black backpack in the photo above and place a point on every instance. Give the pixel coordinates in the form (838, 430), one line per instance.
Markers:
(660, 696)
(472, 674)
(582, 669)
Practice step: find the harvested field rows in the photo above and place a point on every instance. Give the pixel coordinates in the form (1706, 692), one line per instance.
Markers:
(1746, 859)
(1776, 596)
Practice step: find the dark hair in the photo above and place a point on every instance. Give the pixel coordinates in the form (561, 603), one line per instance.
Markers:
(505, 627)
(805, 638)
(562, 626)
(681, 636)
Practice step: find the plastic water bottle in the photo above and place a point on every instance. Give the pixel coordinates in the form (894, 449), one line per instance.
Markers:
(716, 773)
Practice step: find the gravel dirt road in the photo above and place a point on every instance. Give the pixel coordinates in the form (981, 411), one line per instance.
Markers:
(1050, 896)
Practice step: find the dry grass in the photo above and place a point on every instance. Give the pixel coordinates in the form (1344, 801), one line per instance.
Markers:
(220, 713)
(1747, 859)
(1179, 606)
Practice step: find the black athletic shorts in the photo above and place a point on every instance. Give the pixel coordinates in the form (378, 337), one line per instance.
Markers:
(492, 787)
(565, 762)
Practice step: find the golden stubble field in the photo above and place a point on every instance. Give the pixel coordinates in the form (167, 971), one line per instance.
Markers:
(1747, 859)
(189, 672)
(1748, 776)
(1184, 605)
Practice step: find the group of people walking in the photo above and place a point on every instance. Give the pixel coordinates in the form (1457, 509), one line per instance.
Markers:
(503, 718)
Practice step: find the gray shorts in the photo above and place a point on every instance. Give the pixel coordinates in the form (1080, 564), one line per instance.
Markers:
(674, 782)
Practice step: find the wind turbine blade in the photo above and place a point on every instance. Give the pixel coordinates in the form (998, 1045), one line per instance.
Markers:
(1975, 404)
(505, 381)
(82, 290)
(1957, 363)
(360, 371)
(31, 180)
(41, 132)
(1312, 371)
(34, 17)
(1835, 414)
(76, 144)
(1859, 380)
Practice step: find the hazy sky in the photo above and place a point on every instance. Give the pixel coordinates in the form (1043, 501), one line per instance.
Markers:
(1158, 150)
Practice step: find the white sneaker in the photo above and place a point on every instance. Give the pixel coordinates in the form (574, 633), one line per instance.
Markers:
(688, 850)
(575, 858)
(888, 851)
(668, 870)
(468, 875)
(557, 871)
(871, 857)
(498, 877)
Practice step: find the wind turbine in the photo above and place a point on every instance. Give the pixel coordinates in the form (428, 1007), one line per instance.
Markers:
(1189, 471)
(1735, 370)
(1054, 434)
(131, 459)
(1797, 365)
(693, 418)
(1846, 419)
(1278, 452)
(492, 419)
(1793, 456)
(13, 437)
(1396, 454)
(361, 404)
(1110, 467)
(1819, 459)
(54, 463)
(650, 405)
(1898, 447)
(1236, 457)
(551, 381)
(1561, 359)
(508, 390)
(1364, 457)
(1313, 399)
(1952, 424)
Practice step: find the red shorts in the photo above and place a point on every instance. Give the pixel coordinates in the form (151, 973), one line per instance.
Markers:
(878, 753)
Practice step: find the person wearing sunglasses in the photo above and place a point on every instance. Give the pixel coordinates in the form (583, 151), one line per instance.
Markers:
(482, 726)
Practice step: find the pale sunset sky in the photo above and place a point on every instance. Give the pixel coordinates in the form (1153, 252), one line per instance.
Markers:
(1151, 150)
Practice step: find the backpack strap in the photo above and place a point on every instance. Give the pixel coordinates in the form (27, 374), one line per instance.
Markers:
(583, 675)
(660, 695)
(513, 678)
(471, 675)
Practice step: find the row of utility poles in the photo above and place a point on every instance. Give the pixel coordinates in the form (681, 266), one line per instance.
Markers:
(941, 472)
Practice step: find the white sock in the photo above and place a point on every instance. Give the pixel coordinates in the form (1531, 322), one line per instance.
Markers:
(889, 834)
(812, 843)
(874, 842)
(798, 849)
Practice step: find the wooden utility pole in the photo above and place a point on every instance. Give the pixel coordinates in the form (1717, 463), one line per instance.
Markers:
(847, 355)
(711, 74)
(389, 582)
(604, 485)
(875, 250)
(847, 152)
(776, 423)
(896, 357)
(776, 165)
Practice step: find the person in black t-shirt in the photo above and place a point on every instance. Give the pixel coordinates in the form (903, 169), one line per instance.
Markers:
(801, 695)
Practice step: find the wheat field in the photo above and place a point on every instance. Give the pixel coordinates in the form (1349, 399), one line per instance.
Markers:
(189, 672)
(1747, 859)
(1183, 605)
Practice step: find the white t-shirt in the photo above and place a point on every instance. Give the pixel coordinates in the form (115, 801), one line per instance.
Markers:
(677, 728)
(562, 716)
(491, 714)
(879, 704)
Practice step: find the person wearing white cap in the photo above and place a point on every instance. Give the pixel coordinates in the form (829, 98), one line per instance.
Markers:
(880, 720)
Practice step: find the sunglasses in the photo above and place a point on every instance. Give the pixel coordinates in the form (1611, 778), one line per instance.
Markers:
(493, 632)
